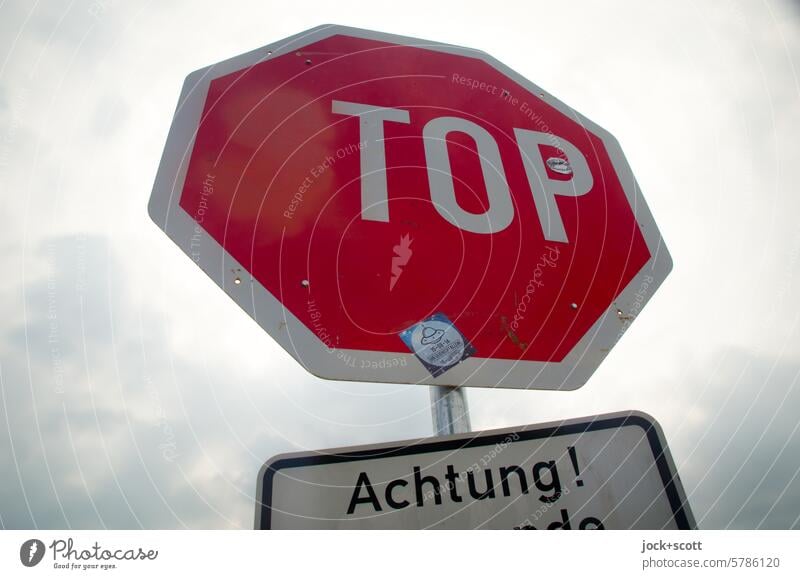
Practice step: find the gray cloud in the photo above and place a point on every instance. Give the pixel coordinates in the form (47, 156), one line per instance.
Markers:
(739, 459)
(104, 426)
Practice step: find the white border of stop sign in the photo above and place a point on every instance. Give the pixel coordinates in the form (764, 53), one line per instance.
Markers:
(305, 345)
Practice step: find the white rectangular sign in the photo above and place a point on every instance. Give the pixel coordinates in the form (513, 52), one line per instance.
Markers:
(612, 471)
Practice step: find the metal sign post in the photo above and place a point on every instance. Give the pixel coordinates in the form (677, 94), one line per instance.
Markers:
(449, 410)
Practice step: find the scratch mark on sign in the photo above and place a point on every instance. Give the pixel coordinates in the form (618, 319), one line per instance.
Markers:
(512, 334)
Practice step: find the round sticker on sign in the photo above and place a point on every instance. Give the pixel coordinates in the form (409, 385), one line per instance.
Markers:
(437, 343)
(559, 165)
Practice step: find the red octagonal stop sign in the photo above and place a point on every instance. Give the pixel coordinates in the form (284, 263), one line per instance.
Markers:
(397, 210)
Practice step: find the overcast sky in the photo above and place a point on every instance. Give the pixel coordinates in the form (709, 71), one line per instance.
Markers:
(136, 394)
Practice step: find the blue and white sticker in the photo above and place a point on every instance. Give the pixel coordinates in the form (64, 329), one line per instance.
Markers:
(437, 343)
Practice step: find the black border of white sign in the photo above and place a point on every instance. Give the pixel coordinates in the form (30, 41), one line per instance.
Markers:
(682, 516)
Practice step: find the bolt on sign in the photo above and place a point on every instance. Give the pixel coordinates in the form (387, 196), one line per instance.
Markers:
(391, 209)
(611, 471)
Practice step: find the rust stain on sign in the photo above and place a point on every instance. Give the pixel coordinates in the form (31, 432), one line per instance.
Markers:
(512, 334)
